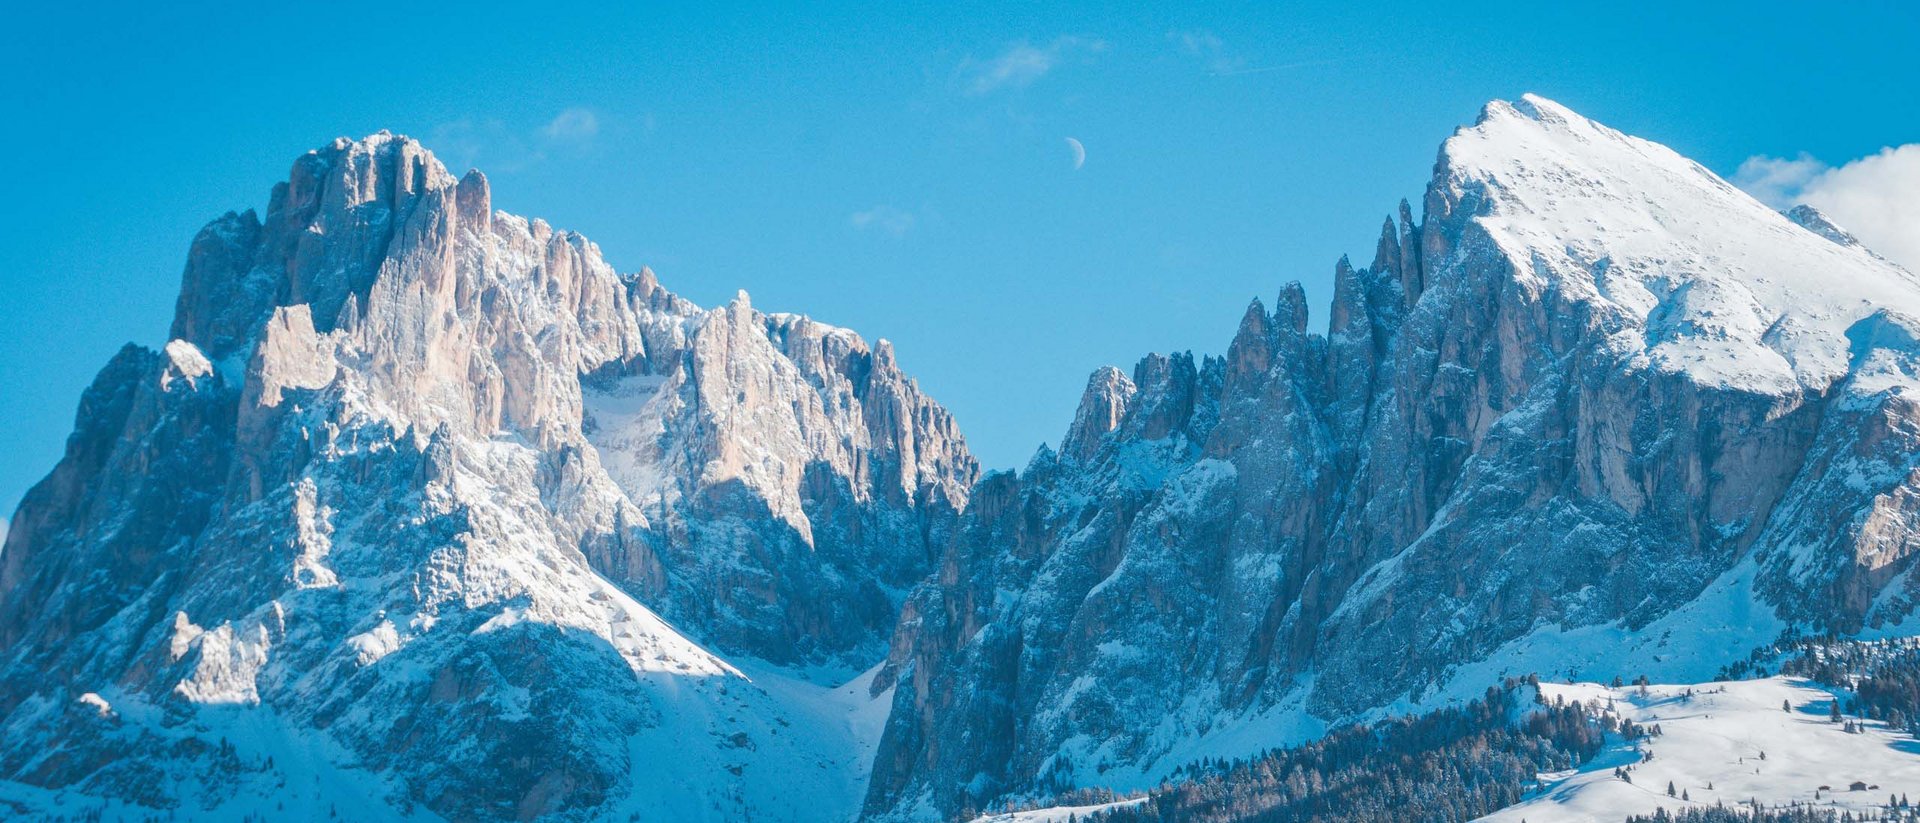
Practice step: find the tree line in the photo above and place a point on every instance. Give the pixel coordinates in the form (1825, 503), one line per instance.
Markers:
(1453, 764)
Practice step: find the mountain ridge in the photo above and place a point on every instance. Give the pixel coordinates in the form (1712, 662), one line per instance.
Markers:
(1597, 410)
(423, 504)
(359, 494)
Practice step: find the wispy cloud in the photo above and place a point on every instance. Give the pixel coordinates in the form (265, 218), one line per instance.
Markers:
(1220, 61)
(882, 218)
(499, 148)
(1875, 198)
(473, 143)
(574, 124)
(1020, 64)
(1208, 48)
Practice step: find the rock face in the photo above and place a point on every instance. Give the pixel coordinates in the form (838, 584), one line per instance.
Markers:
(424, 511)
(1596, 412)
(431, 489)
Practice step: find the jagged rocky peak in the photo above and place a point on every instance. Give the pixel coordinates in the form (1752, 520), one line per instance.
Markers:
(1251, 353)
(1816, 221)
(433, 486)
(1102, 406)
(1594, 411)
(326, 231)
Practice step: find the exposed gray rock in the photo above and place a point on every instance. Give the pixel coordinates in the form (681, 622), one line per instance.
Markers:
(426, 510)
(1815, 221)
(1597, 413)
(410, 485)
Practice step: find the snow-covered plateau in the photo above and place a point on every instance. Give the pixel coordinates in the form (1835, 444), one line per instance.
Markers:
(426, 512)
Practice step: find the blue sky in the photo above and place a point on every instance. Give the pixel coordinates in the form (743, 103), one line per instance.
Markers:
(901, 170)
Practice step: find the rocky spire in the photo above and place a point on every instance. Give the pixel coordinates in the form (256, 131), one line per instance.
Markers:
(1350, 314)
(1290, 311)
(1412, 278)
(1386, 253)
(1169, 390)
(1251, 353)
(1102, 406)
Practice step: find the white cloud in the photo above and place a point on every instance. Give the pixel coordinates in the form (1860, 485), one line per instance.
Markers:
(884, 218)
(573, 124)
(1022, 63)
(1876, 198)
(1777, 181)
(500, 148)
(1209, 49)
(470, 143)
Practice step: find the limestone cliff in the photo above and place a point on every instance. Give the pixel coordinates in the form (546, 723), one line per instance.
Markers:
(430, 486)
(1596, 412)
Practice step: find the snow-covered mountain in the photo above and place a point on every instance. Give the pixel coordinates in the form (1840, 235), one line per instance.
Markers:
(426, 510)
(1596, 411)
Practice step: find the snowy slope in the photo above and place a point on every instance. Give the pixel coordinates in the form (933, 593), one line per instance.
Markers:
(1593, 410)
(1057, 814)
(800, 752)
(1715, 739)
(427, 510)
(1727, 290)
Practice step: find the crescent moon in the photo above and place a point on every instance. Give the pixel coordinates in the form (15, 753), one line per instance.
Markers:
(1079, 153)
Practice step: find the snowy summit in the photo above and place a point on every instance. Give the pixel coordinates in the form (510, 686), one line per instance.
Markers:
(425, 511)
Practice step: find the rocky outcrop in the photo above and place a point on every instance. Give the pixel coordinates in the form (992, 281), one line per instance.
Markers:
(432, 487)
(425, 509)
(1596, 413)
(1814, 220)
